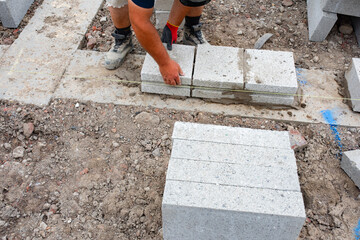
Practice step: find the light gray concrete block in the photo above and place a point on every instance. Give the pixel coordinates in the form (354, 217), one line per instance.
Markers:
(356, 26)
(240, 175)
(163, 5)
(346, 7)
(351, 165)
(161, 18)
(209, 211)
(352, 77)
(153, 87)
(270, 71)
(245, 97)
(231, 135)
(240, 154)
(3, 49)
(219, 67)
(13, 11)
(182, 54)
(320, 22)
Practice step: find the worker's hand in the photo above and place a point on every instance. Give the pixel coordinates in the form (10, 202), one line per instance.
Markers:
(169, 35)
(171, 73)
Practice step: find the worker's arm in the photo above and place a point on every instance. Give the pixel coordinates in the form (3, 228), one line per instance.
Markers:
(150, 40)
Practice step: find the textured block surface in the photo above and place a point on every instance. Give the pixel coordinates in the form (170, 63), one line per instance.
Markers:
(320, 22)
(353, 82)
(219, 67)
(231, 135)
(13, 11)
(150, 87)
(270, 71)
(163, 5)
(346, 7)
(161, 18)
(351, 165)
(182, 54)
(245, 97)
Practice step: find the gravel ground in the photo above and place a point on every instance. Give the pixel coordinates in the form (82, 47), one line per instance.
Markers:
(97, 171)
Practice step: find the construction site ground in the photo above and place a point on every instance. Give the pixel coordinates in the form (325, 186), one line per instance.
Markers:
(97, 170)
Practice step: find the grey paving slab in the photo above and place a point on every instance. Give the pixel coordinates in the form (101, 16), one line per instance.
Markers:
(351, 165)
(219, 173)
(219, 67)
(13, 11)
(161, 18)
(270, 71)
(182, 54)
(3, 49)
(346, 7)
(320, 22)
(240, 154)
(231, 135)
(352, 77)
(164, 5)
(32, 67)
(208, 211)
(245, 97)
(150, 87)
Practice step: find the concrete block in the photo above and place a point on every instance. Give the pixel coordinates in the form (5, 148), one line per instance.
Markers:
(3, 49)
(151, 87)
(161, 18)
(356, 25)
(241, 175)
(13, 11)
(320, 22)
(240, 154)
(346, 7)
(352, 77)
(182, 54)
(351, 165)
(270, 71)
(219, 67)
(245, 97)
(200, 211)
(231, 135)
(163, 5)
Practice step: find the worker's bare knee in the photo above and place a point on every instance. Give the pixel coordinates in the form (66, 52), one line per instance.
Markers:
(194, 3)
(116, 3)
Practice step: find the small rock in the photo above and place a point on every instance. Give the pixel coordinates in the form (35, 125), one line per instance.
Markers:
(43, 226)
(156, 153)
(46, 206)
(91, 43)
(18, 152)
(346, 29)
(115, 144)
(147, 118)
(316, 59)
(103, 19)
(7, 146)
(282, 9)
(77, 105)
(28, 129)
(240, 32)
(297, 141)
(287, 3)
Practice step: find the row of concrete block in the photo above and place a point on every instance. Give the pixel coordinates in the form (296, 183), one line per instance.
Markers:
(231, 183)
(352, 77)
(250, 76)
(13, 11)
(322, 16)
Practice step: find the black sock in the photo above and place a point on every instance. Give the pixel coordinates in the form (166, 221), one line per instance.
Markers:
(191, 21)
(123, 31)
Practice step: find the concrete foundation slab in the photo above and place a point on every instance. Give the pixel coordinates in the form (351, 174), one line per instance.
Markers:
(245, 97)
(352, 77)
(270, 71)
(3, 49)
(150, 87)
(231, 135)
(346, 7)
(219, 67)
(351, 165)
(13, 11)
(320, 22)
(182, 54)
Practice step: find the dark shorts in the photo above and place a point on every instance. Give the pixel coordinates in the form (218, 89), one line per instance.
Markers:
(189, 3)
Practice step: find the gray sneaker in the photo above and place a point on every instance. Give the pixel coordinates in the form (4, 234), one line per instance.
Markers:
(116, 56)
(193, 35)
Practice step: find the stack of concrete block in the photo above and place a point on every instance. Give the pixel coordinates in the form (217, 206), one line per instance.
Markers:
(352, 77)
(152, 81)
(322, 15)
(351, 165)
(231, 183)
(13, 11)
(162, 11)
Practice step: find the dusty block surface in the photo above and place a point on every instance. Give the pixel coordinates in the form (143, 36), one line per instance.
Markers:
(13, 11)
(351, 165)
(320, 22)
(352, 77)
(161, 18)
(163, 5)
(221, 179)
(270, 71)
(151, 87)
(3, 49)
(182, 54)
(346, 7)
(219, 67)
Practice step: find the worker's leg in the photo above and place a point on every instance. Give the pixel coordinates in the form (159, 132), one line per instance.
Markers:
(119, 12)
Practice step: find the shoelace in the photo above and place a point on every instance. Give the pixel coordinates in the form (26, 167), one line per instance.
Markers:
(119, 39)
